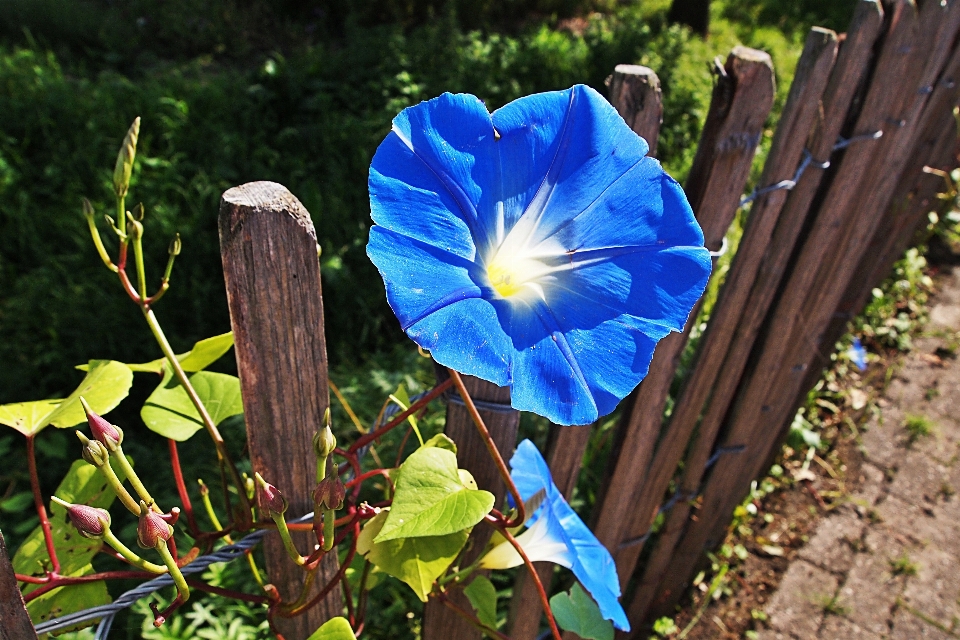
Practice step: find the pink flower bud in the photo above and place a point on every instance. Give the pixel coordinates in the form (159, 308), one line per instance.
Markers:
(152, 529)
(329, 493)
(102, 431)
(271, 500)
(93, 451)
(91, 522)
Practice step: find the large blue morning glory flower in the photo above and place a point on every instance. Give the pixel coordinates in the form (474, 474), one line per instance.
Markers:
(536, 247)
(555, 533)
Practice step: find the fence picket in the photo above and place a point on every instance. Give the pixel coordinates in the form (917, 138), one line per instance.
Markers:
(742, 98)
(269, 249)
(772, 383)
(786, 154)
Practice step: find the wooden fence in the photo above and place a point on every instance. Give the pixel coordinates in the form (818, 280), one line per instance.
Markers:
(865, 114)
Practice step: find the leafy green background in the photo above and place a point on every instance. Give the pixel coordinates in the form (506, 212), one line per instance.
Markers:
(300, 93)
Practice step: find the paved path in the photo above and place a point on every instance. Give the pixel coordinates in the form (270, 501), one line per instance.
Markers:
(887, 564)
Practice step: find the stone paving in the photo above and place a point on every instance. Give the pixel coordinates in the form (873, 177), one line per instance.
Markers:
(886, 565)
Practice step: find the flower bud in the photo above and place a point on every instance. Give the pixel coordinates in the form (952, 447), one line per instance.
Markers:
(152, 530)
(329, 493)
(134, 228)
(324, 442)
(93, 451)
(124, 166)
(102, 431)
(138, 212)
(271, 501)
(87, 209)
(175, 245)
(91, 522)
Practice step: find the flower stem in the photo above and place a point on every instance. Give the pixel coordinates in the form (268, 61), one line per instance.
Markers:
(38, 505)
(287, 540)
(133, 478)
(491, 448)
(129, 555)
(183, 590)
(118, 488)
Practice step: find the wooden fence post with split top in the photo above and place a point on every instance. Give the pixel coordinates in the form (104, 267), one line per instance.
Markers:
(269, 249)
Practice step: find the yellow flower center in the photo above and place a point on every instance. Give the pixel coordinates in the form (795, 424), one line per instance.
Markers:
(504, 278)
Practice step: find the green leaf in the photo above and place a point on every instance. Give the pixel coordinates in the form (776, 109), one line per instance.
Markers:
(169, 411)
(431, 499)
(107, 383)
(442, 441)
(204, 353)
(483, 596)
(402, 399)
(334, 629)
(416, 561)
(577, 612)
(27, 417)
(82, 485)
(70, 599)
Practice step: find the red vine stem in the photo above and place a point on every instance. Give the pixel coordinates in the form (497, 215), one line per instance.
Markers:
(199, 585)
(422, 402)
(544, 601)
(491, 448)
(38, 504)
(333, 582)
(182, 487)
(62, 581)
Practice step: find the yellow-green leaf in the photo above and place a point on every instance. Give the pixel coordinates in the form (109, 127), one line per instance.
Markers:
(431, 498)
(169, 411)
(483, 596)
(334, 629)
(416, 561)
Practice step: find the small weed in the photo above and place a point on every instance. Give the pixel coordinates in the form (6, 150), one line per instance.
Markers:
(874, 516)
(904, 566)
(917, 426)
(758, 614)
(931, 393)
(947, 490)
(664, 627)
(833, 607)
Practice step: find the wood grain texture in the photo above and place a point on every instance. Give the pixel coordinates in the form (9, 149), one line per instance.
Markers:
(742, 99)
(772, 382)
(269, 250)
(635, 92)
(786, 154)
(15, 622)
(439, 622)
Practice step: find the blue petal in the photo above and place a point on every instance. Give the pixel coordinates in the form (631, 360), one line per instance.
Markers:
(453, 138)
(590, 562)
(420, 279)
(591, 149)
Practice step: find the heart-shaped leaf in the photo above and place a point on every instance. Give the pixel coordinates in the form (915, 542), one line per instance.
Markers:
(107, 383)
(577, 612)
(431, 499)
(82, 485)
(483, 596)
(204, 353)
(334, 629)
(416, 561)
(169, 411)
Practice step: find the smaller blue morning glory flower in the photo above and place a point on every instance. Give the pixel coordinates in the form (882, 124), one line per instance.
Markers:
(858, 354)
(556, 534)
(537, 247)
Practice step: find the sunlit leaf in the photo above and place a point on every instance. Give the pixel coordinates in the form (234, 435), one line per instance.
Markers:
(82, 485)
(107, 383)
(483, 596)
(577, 612)
(334, 629)
(169, 411)
(27, 417)
(431, 498)
(416, 561)
(441, 441)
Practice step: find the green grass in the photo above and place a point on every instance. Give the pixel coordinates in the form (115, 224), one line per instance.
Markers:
(918, 426)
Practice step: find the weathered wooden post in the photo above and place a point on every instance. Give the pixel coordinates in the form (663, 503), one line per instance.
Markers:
(493, 403)
(15, 622)
(269, 249)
